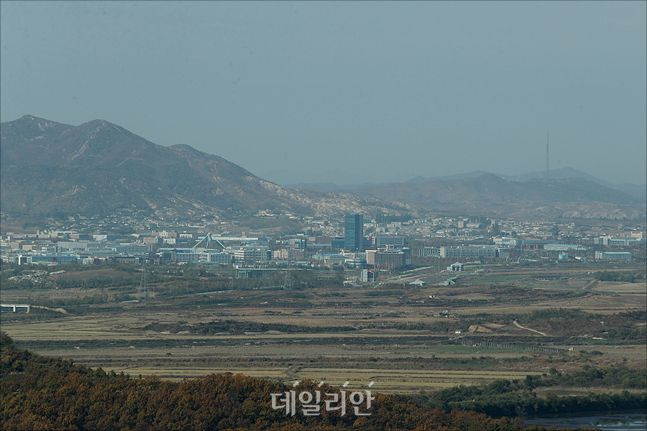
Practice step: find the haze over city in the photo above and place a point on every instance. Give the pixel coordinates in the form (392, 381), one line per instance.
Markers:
(318, 216)
(345, 93)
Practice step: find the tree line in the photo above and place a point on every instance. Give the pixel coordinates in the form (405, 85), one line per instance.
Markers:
(519, 398)
(38, 393)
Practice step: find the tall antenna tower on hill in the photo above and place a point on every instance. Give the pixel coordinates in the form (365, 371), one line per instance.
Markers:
(547, 154)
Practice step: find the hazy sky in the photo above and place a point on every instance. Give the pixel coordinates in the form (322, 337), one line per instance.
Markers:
(345, 92)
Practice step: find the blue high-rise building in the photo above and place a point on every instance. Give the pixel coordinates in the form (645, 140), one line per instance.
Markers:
(354, 232)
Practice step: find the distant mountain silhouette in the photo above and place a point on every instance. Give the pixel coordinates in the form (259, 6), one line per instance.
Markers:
(637, 191)
(491, 194)
(495, 189)
(99, 167)
(567, 193)
(559, 173)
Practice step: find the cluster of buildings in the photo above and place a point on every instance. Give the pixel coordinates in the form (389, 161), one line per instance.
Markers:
(379, 244)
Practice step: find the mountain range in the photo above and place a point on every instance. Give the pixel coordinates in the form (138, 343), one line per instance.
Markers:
(636, 191)
(96, 168)
(566, 193)
(490, 194)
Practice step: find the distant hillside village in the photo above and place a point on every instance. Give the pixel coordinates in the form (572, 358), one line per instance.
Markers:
(372, 247)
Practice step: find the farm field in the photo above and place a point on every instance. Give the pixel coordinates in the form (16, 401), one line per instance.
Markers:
(495, 323)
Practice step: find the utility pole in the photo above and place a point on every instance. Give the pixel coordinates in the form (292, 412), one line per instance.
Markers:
(143, 290)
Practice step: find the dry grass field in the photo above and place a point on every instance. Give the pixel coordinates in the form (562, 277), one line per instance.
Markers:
(406, 339)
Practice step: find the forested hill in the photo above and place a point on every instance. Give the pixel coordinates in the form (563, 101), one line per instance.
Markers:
(38, 393)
